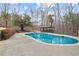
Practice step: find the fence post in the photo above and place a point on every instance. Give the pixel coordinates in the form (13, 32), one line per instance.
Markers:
(78, 33)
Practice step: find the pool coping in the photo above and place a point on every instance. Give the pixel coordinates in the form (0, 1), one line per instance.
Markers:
(53, 34)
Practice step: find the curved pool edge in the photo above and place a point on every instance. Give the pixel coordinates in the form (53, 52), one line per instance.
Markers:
(53, 34)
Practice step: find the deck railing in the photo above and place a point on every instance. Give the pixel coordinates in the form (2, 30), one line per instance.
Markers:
(47, 29)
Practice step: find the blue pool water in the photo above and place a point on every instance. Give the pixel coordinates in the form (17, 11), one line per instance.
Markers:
(52, 39)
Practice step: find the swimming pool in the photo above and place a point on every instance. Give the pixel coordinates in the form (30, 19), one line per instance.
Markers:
(52, 39)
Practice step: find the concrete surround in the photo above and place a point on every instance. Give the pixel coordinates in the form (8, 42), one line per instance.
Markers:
(20, 45)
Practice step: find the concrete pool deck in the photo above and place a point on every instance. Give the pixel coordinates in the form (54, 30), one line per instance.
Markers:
(19, 45)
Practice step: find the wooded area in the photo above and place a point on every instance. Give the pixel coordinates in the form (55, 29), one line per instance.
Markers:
(64, 17)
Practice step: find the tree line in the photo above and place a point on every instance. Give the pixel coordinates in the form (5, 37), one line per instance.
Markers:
(17, 19)
(66, 16)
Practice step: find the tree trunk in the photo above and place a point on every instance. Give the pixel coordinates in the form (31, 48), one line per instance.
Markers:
(6, 23)
(22, 27)
(51, 24)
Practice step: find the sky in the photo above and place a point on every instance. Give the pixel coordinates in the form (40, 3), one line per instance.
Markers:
(22, 7)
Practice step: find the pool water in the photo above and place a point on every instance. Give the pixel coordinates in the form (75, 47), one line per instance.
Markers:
(52, 39)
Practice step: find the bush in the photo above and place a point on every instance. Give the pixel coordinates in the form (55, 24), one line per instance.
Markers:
(8, 33)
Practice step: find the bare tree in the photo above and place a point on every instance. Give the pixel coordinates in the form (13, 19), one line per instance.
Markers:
(5, 15)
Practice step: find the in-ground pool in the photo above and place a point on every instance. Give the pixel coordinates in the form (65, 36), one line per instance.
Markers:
(52, 39)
